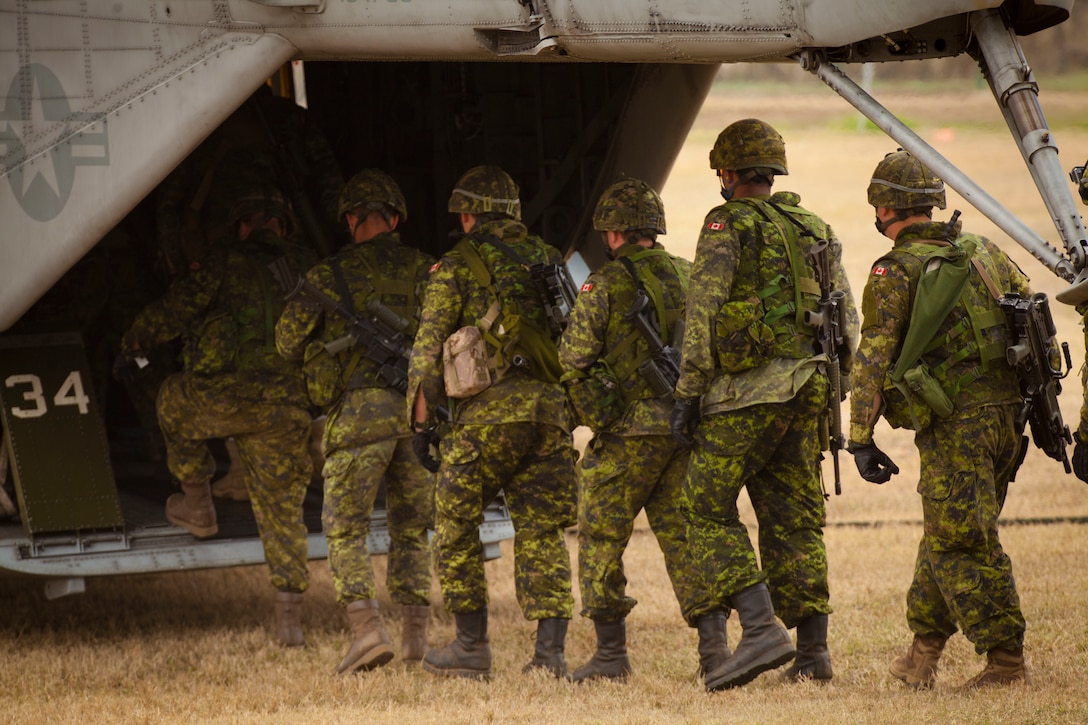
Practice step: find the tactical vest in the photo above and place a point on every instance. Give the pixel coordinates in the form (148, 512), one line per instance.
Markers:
(664, 283)
(968, 344)
(773, 286)
(513, 327)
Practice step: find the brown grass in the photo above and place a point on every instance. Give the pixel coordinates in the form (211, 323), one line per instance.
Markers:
(196, 646)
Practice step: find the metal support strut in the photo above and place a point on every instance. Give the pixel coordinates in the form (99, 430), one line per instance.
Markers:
(1005, 220)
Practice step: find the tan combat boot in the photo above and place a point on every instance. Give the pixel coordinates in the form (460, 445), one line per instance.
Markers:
(370, 647)
(1003, 667)
(289, 619)
(193, 509)
(918, 667)
(413, 632)
(232, 485)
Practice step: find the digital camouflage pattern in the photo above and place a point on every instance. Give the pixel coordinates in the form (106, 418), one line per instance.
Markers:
(901, 181)
(629, 205)
(760, 425)
(366, 440)
(193, 202)
(514, 436)
(372, 186)
(483, 190)
(749, 144)
(256, 396)
(634, 464)
(962, 575)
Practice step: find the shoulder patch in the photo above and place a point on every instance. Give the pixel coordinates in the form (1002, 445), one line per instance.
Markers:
(880, 270)
(435, 266)
(715, 226)
(586, 287)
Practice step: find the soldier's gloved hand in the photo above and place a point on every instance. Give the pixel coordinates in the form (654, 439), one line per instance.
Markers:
(422, 441)
(1080, 458)
(683, 420)
(873, 464)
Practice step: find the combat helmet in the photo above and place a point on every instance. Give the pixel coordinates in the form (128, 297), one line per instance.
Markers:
(627, 205)
(749, 144)
(373, 190)
(261, 198)
(901, 181)
(484, 189)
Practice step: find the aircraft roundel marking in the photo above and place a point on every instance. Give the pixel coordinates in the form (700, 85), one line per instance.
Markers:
(44, 186)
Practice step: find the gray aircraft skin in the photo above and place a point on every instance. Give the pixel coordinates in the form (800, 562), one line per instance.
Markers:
(104, 99)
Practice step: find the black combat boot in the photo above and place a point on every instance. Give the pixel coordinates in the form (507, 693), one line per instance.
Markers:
(713, 645)
(469, 655)
(551, 635)
(813, 660)
(764, 642)
(610, 660)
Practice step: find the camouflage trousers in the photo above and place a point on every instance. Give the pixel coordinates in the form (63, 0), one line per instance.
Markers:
(620, 476)
(533, 463)
(962, 576)
(352, 479)
(273, 445)
(773, 451)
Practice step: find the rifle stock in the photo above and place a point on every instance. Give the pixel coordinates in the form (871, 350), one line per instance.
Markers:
(827, 323)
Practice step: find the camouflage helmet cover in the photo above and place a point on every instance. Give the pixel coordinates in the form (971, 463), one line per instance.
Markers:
(373, 189)
(901, 181)
(484, 189)
(260, 197)
(749, 144)
(627, 205)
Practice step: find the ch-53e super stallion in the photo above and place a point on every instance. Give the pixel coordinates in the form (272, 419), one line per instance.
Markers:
(102, 100)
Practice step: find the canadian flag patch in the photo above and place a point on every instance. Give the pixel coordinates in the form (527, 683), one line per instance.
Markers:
(586, 287)
(715, 226)
(880, 271)
(435, 266)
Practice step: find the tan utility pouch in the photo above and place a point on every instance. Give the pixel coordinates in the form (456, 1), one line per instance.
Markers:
(464, 363)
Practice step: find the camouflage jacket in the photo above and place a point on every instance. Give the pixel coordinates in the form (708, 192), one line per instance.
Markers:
(742, 264)
(886, 304)
(455, 299)
(599, 328)
(226, 312)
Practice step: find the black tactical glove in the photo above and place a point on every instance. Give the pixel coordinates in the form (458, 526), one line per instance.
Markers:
(683, 420)
(422, 441)
(1080, 458)
(873, 464)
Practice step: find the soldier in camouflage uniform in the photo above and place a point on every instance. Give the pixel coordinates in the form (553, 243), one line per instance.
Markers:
(751, 394)
(632, 463)
(1080, 450)
(962, 576)
(366, 439)
(234, 383)
(513, 436)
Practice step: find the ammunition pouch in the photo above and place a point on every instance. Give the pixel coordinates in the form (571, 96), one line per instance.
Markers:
(916, 401)
(322, 374)
(465, 363)
(744, 340)
(926, 387)
(595, 397)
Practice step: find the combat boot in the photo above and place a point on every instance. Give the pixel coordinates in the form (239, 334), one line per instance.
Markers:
(413, 631)
(468, 655)
(289, 619)
(918, 667)
(813, 661)
(370, 647)
(1003, 667)
(193, 509)
(551, 635)
(610, 660)
(232, 485)
(713, 644)
(764, 642)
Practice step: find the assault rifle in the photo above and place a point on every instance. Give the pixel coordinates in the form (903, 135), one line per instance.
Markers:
(556, 289)
(662, 370)
(827, 321)
(1032, 354)
(381, 335)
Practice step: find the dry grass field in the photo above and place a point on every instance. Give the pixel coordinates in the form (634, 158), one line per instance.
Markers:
(196, 646)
